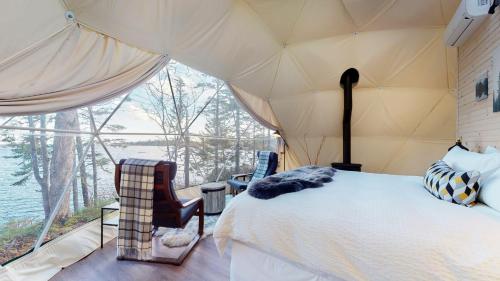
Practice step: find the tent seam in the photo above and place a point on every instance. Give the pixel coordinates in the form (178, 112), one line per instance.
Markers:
(275, 76)
(429, 113)
(301, 69)
(34, 46)
(261, 21)
(424, 49)
(292, 32)
(379, 14)
(309, 41)
(97, 30)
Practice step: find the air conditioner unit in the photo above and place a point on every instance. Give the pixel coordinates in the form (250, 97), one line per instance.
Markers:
(468, 17)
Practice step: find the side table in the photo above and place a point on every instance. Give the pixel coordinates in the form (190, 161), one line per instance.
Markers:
(111, 222)
(214, 197)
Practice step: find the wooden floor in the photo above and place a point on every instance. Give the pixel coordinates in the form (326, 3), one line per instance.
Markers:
(203, 264)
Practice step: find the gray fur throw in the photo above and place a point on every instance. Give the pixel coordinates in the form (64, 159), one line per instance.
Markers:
(290, 181)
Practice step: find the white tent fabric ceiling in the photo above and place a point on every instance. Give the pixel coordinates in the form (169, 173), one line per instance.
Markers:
(283, 58)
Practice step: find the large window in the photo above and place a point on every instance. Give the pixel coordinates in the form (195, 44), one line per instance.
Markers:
(57, 169)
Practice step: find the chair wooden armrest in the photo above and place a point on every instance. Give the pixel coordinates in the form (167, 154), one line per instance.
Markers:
(191, 202)
(238, 176)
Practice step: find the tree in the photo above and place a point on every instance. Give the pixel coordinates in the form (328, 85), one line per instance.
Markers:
(83, 170)
(61, 164)
(76, 204)
(41, 177)
(97, 159)
(51, 159)
(51, 164)
(177, 95)
(220, 125)
(175, 103)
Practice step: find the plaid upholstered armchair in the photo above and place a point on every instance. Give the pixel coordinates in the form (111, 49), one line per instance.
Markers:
(266, 166)
(168, 210)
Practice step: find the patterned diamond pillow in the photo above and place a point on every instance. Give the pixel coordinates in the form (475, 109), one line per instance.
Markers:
(452, 186)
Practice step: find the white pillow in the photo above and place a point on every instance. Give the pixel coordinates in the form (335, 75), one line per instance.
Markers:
(463, 160)
(489, 193)
(490, 149)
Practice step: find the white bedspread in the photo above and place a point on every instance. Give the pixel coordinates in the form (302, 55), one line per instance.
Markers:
(367, 226)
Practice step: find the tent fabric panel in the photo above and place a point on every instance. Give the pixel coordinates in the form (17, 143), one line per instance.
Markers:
(376, 112)
(295, 21)
(394, 130)
(378, 15)
(313, 114)
(404, 54)
(163, 27)
(290, 78)
(252, 47)
(405, 156)
(77, 67)
(258, 108)
(265, 75)
(195, 33)
(24, 23)
(285, 66)
(290, 21)
(279, 16)
(321, 19)
(59, 253)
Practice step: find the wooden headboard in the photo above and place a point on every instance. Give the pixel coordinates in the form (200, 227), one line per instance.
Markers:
(477, 124)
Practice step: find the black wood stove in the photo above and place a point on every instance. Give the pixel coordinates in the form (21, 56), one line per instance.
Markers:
(348, 80)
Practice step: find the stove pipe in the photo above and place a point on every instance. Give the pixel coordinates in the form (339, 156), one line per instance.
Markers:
(349, 79)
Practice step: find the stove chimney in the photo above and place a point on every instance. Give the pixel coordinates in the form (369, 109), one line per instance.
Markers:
(348, 80)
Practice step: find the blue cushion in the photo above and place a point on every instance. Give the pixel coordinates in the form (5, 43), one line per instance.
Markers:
(262, 165)
(266, 166)
(238, 185)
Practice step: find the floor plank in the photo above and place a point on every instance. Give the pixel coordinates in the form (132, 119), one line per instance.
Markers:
(203, 264)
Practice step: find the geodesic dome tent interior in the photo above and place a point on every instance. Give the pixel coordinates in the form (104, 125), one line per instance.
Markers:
(284, 65)
(275, 62)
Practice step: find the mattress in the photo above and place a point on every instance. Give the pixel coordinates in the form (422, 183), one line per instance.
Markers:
(366, 226)
(245, 260)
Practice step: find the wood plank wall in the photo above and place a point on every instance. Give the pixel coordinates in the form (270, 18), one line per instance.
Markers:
(477, 125)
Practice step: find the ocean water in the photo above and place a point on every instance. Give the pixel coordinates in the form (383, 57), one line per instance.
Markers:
(25, 202)
(17, 202)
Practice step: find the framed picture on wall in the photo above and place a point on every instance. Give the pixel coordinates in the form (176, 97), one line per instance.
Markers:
(496, 80)
(482, 86)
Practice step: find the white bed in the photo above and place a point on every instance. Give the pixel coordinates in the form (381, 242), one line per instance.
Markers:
(361, 226)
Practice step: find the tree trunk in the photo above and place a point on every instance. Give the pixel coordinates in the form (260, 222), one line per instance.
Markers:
(75, 191)
(83, 169)
(217, 134)
(61, 165)
(186, 160)
(94, 171)
(41, 179)
(44, 154)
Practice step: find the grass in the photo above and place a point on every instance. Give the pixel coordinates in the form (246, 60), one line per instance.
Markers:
(17, 237)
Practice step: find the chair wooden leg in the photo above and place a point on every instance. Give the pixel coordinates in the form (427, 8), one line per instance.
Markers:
(180, 259)
(201, 218)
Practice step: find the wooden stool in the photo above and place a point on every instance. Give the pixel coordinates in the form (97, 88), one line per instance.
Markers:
(214, 197)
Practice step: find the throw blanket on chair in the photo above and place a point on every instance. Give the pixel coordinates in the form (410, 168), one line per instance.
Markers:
(290, 181)
(136, 209)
